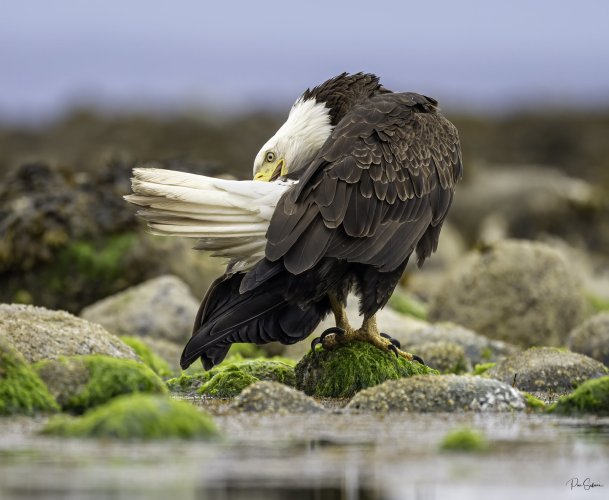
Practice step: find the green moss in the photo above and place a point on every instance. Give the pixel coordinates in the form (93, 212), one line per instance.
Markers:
(406, 304)
(533, 403)
(81, 382)
(137, 416)
(590, 397)
(150, 359)
(466, 440)
(230, 378)
(21, 389)
(481, 368)
(355, 366)
(227, 383)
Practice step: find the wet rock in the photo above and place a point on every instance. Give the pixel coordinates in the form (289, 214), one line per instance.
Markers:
(21, 390)
(342, 372)
(592, 338)
(39, 333)
(230, 378)
(162, 308)
(516, 291)
(138, 416)
(446, 357)
(546, 369)
(81, 382)
(443, 393)
(478, 348)
(272, 397)
(590, 397)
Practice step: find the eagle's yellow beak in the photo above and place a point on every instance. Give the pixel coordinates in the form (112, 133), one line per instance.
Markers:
(271, 171)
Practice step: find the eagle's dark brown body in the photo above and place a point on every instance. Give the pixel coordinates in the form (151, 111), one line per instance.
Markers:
(378, 190)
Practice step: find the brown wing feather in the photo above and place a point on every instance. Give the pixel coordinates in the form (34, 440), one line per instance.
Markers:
(380, 187)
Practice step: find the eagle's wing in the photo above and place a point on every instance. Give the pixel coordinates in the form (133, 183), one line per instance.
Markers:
(229, 217)
(380, 186)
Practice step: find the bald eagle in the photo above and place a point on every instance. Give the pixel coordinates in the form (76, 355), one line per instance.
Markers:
(356, 180)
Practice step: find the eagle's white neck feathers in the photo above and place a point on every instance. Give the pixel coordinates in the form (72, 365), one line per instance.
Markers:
(301, 136)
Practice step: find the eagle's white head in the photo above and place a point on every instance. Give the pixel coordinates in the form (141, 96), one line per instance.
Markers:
(296, 142)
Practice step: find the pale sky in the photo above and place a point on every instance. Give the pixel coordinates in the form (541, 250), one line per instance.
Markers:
(183, 54)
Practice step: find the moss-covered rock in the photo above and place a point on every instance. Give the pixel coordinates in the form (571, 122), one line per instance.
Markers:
(482, 368)
(149, 358)
(342, 372)
(517, 291)
(230, 378)
(546, 369)
(81, 382)
(464, 440)
(21, 390)
(227, 383)
(137, 416)
(443, 393)
(446, 357)
(590, 397)
(272, 397)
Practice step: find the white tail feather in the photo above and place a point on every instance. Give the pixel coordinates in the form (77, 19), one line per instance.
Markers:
(230, 217)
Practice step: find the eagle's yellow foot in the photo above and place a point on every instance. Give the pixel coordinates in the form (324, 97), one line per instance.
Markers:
(336, 336)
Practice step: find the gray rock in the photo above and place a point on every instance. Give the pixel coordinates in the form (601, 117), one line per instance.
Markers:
(446, 357)
(161, 308)
(39, 333)
(546, 369)
(592, 338)
(442, 393)
(273, 397)
(478, 348)
(517, 291)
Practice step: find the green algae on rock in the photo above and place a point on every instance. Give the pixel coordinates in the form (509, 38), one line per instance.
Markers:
(590, 397)
(230, 378)
(21, 389)
(272, 397)
(464, 440)
(533, 403)
(342, 372)
(148, 356)
(443, 393)
(137, 416)
(81, 382)
(227, 383)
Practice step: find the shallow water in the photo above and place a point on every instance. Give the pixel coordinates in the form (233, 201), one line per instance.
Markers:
(330, 456)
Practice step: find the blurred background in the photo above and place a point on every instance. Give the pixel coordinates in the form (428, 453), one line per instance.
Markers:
(90, 89)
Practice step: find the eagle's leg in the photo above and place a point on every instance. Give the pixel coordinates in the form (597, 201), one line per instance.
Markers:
(368, 333)
(342, 328)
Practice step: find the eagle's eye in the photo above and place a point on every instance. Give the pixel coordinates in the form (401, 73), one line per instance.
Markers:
(270, 157)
